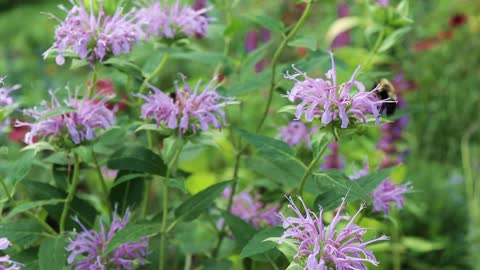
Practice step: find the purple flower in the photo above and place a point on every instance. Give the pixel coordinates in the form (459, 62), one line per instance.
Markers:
(382, 3)
(251, 210)
(170, 21)
(92, 36)
(387, 193)
(6, 104)
(107, 173)
(79, 121)
(187, 110)
(199, 4)
(327, 100)
(328, 247)
(5, 262)
(295, 133)
(87, 248)
(251, 41)
(333, 160)
(342, 39)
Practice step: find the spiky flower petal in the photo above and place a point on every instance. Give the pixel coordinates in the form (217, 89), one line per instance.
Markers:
(5, 262)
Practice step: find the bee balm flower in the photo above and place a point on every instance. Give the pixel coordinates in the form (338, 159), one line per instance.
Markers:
(329, 101)
(89, 246)
(80, 121)
(92, 37)
(5, 262)
(329, 246)
(187, 110)
(6, 104)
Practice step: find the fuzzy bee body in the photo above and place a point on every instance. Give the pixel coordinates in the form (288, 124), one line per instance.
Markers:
(386, 91)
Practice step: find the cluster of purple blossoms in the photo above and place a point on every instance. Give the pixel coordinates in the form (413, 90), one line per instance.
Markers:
(382, 3)
(251, 210)
(333, 160)
(295, 133)
(386, 193)
(80, 119)
(329, 101)
(169, 21)
(328, 247)
(6, 102)
(186, 110)
(93, 36)
(89, 246)
(251, 43)
(5, 262)
(342, 39)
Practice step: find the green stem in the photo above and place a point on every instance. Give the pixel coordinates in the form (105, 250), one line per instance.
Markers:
(163, 237)
(397, 259)
(275, 59)
(378, 42)
(222, 232)
(227, 39)
(188, 262)
(154, 73)
(310, 168)
(31, 215)
(103, 183)
(71, 193)
(93, 81)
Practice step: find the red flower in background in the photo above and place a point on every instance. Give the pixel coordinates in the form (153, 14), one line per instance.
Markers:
(458, 20)
(105, 87)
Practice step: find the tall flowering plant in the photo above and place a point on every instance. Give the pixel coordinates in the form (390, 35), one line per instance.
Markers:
(130, 169)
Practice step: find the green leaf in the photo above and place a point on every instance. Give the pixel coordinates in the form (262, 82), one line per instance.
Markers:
(241, 230)
(81, 208)
(195, 205)
(137, 159)
(128, 177)
(393, 38)
(132, 233)
(125, 66)
(257, 245)
(221, 264)
(29, 205)
(201, 57)
(294, 266)
(339, 26)
(249, 85)
(52, 254)
(22, 232)
(38, 147)
(403, 8)
(287, 247)
(421, 245)
(161, 129)
(320, 142)
(21, 168)
(56, 112)
(171, 146)
(371, 181)
(78, 63)
(276, 155)
(270, 23)
(309, 42)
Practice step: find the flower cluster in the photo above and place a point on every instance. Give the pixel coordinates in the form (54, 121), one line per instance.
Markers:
(92, 36)
(169, 21)
(6, 104)
(333, 160)
(325, 247)
(251, 210)
(251, 43)
(382, 3)
(325, 99)
(342, 39)
(186, 110)
(5, 262)
(295, 133)
(89, 246)
(386, 193)
(79, 118)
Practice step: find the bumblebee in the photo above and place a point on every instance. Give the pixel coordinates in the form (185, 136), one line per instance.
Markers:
(386, 91)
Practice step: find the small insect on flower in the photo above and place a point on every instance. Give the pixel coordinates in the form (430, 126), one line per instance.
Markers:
(386, 91)
(332, 246)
